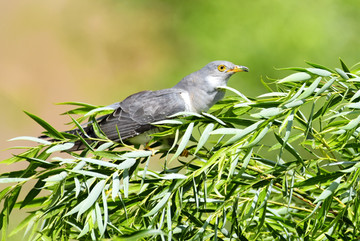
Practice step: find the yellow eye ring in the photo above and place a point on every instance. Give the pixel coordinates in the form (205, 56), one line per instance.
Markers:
(221, 68)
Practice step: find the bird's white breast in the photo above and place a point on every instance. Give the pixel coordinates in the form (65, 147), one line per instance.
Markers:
(188, 101)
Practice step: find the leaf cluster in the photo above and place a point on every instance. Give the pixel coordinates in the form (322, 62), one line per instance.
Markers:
(281, 166)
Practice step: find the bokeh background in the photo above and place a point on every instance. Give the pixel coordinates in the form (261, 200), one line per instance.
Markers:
(99, 52)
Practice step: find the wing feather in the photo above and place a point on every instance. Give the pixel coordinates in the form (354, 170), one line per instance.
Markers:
(136, 113)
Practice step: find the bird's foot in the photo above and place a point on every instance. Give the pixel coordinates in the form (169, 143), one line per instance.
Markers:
(185, 153)
(153, 151)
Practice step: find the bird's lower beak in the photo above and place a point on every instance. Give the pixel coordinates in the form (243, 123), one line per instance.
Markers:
(238, 68)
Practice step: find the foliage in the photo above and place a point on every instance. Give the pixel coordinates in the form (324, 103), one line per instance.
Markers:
(283, 166)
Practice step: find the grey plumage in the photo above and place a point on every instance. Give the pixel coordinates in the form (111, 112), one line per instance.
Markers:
(196, 92)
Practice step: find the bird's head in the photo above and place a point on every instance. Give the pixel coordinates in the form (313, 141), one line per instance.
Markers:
(217, 73)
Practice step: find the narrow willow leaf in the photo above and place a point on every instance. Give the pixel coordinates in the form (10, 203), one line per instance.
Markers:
(225, 131)
(329, 191)
(51, 130)
(246, 161)
(267, 113)
(355, 96)
(294, 104)
(325, 86)
(104, 146)
(115, 186)
(235, 91)
(126, 182)
(259, 137)
(320, 72)
(84, 231)
(13, 179)
(90, 173)
(126, 164)
(56, 178)
(60, 147)
(318, 66)
(352, 105)
(184, 140)
(171, 122)
(173, 176)
(214, 118)
(289, 126)
(343, 65)
(136, 154)
(310, 90)
(297, 94)
(342, 73)
(168, 221)
(185, 113)
(158, 206)
(99, 219)
(139, 235)
(290, 149)
(244, 132)
(273, 94)
(77, 104)
(318, 179)
(352, 124)
(233, 165)
(296, 77)
(77, 187)
(92, 198)
(106, 213)
(30, 138)
(100, 109)
(204, 136)
(99, 162)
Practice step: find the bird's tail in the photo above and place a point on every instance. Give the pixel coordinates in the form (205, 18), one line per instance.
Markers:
(78, 144)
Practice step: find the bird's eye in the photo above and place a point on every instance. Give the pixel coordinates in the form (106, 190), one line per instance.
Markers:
(221, 68)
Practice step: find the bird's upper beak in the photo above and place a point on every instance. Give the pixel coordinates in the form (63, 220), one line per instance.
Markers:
(238, 68)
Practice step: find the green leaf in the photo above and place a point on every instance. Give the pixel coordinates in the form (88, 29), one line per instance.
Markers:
(342, 73)
(310, 90)
(320, 72)
(325, 86)
(13, 179)
(329, 191)
(140, 235)
(159, 205)
(184, 140)
(87, 203)
(30, 138)
(344, 67)
(115, 186)
(99, 162)
(204, 136)
(126, 164)
(51, 130)
(214, 118)
(60, 147)
(318, 66)
(297, 77)
(318, 179)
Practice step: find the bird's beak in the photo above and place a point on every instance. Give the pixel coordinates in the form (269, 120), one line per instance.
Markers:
(238, 68)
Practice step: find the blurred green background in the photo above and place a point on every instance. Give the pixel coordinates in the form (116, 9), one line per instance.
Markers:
(99, 52)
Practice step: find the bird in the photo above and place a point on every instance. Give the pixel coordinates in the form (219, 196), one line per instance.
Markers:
(131, 121)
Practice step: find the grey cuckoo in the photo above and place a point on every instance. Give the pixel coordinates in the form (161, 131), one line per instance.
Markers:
(133, 116)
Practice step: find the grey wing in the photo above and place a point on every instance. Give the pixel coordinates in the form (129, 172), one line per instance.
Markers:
(135, 113)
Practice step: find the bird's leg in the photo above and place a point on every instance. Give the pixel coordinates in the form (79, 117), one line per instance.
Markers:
(185, 153)
(147, 147)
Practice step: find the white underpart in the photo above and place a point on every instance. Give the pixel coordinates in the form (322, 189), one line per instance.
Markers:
(215, 81)
(188, 103)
